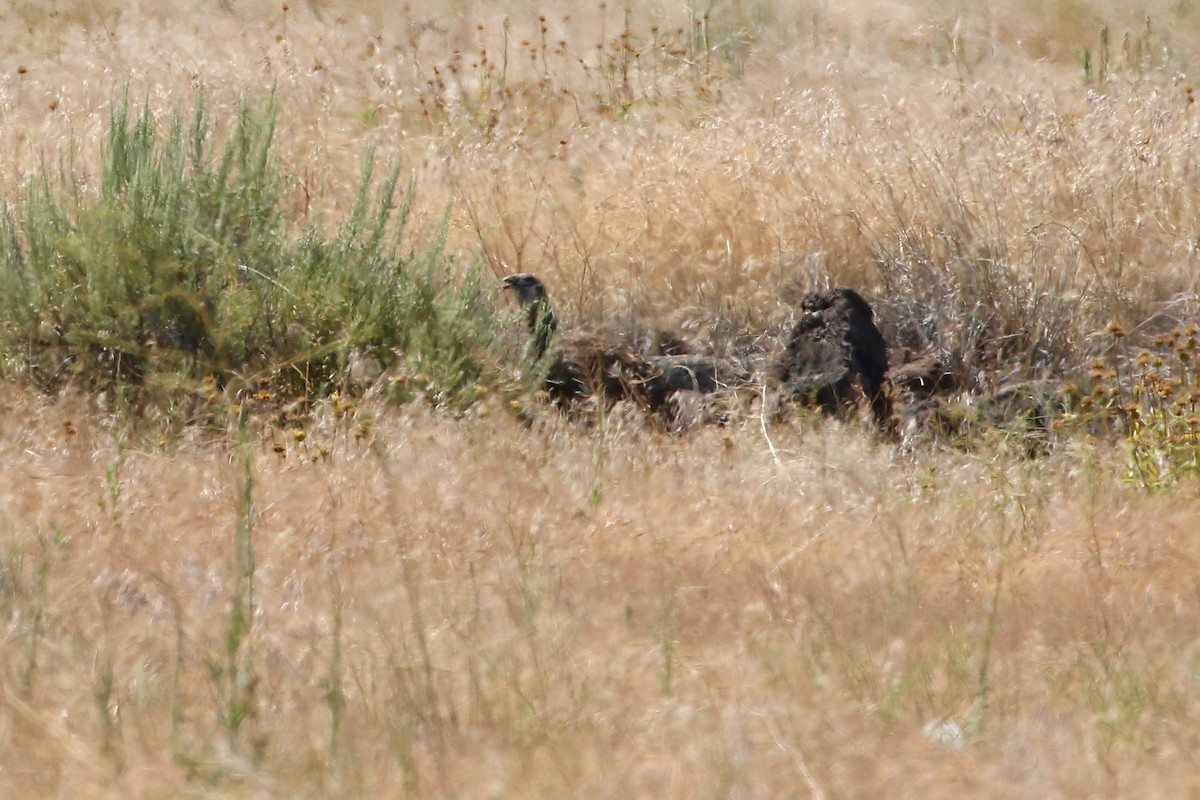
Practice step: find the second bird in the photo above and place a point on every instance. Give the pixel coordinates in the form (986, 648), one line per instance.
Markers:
(581, 366)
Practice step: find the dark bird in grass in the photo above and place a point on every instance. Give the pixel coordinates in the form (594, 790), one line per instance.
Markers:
(835, 355)
(580, 366)
(531, 295)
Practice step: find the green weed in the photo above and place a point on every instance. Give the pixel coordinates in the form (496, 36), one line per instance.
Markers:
(1150, 402)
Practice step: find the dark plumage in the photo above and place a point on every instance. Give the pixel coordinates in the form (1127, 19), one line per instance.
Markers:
(696, 373)
(923, 376)
(531, 294)
(921, 384)
(835, 354)
(580, 366)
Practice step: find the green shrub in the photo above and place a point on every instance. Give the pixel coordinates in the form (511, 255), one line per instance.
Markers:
(181, 272)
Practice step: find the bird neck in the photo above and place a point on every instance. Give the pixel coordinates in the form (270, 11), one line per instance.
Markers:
(542, 325)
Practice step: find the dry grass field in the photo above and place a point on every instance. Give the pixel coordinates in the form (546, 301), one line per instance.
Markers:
(397, 599)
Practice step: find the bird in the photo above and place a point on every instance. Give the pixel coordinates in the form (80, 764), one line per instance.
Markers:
(532, 297)
(923, 376)
(580, 365)
(835, 354)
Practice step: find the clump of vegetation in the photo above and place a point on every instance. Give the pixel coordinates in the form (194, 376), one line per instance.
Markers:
(1151, 401)
(180, 272)
(528, 69)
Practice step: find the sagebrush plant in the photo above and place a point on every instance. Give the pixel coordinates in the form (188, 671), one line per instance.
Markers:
(182, 272)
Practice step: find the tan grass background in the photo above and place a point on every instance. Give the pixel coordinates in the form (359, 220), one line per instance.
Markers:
(718, 624)
(816, 132)
(547, 612)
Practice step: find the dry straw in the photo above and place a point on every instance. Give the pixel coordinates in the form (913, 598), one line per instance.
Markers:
(385, 593)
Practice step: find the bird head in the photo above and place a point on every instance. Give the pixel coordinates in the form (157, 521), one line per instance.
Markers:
(527, 287)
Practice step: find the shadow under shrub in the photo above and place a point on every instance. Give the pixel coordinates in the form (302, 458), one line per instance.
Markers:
(180, 273)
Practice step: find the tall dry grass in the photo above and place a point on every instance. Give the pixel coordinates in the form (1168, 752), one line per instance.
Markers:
(686, 163)
(399, 603)
(445, 608)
